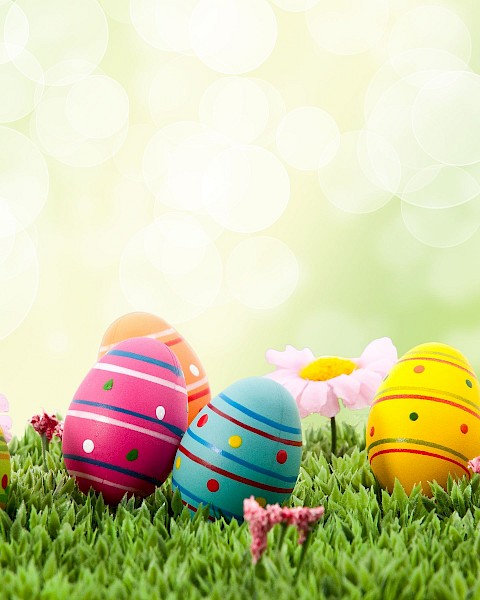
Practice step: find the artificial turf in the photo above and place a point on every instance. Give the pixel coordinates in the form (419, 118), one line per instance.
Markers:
(57, 543)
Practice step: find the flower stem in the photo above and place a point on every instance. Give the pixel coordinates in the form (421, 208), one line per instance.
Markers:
(333, 426)
(44, 451)
(305, 545)
(281, 537)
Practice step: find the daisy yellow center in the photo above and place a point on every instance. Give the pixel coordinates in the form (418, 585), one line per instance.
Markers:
(327, 367)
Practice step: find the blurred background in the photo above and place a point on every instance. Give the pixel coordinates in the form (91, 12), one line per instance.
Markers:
(258, 173)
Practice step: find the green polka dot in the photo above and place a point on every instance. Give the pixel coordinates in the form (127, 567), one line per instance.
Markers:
(108, 385)
(413, 416)
(132, 455)
(469, 383)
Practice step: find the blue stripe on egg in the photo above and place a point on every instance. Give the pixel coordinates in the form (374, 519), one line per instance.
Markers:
(147, 359)
(258, 417)
(250, 466)
(217, 510)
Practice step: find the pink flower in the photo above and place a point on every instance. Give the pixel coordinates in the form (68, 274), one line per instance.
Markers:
(474, 464)
(5, 420)
(318, 384)
(48, 425)
(261, 520)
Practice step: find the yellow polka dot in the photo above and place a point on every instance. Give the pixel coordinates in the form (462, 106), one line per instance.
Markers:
(178, 462)
(261, 501)
(235, 441)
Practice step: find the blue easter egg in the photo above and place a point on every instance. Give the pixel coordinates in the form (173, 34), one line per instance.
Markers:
(246, 442)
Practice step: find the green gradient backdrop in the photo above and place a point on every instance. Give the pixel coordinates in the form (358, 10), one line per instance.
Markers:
(360, 276)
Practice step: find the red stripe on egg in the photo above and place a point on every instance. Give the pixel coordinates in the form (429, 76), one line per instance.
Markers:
(254, 429)
(441, 360)
(421, 452)
(429, 398)
(233, 476)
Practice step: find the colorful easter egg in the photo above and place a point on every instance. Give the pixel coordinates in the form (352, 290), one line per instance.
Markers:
(126, 420)
(5, 471)
(424, 423)
(246, 441)
(141, 324)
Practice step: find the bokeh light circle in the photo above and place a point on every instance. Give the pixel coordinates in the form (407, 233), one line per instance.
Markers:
(446, 118)
(443, 227)
(62, 140)
(129, 159)
(307, 138)
(363, 175)
(237, 107)
(176, 89)
(349, 27)
(175, 161)
(246, 189)
(119, 10)
(19, 275)
(261, 272)
(295, 5)
(68, 39)
(22, 96)
(431, 26)
(24, 177)
(171, 267)
(163, 23)
(97, 107)
(233, 36)
(440, 186)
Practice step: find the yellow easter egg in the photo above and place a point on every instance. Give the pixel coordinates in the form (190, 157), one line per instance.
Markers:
(5, 471)
(424, 423)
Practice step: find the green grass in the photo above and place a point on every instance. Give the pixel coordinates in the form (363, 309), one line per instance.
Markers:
(57, 543)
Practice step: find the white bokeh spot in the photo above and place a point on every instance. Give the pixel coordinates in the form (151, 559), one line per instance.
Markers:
(308, 138)
(446, 118)
(363, 175)
(233, 36)
(68, 39)
(246, 189)
(261, 272)
(347, 27)
(237, 107)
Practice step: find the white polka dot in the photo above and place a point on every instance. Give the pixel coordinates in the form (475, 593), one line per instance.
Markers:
(68, 39)
(160, 412)
(88, 446)
(194, 370)
(246, 189)
(446, 118)
(345, 27)
(307, 138)
(233, 36)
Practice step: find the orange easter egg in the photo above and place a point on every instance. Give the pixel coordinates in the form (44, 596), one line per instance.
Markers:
(139, 324)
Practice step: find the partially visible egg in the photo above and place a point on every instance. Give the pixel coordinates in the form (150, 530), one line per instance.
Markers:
(141, 324)
(126, 420)
(424, 423)
(5, 471)
(246, 441)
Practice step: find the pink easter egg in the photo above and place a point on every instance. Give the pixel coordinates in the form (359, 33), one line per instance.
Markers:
(126, 420)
